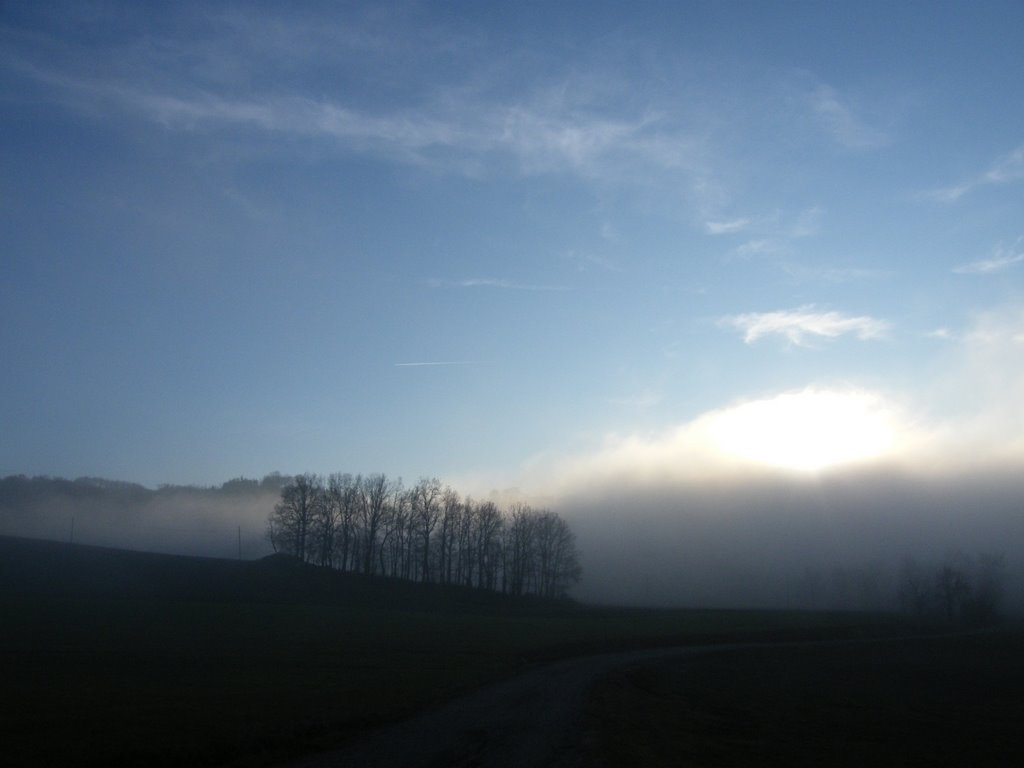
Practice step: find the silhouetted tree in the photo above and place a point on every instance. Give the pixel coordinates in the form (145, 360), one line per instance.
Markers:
(519, 548)
(372, 504)
(327, 524)
(465, 557)
(342, 495)
(558, 565)
(395, 544)
(487, 547)
(451, 509)
(426, 511)
(290, 528)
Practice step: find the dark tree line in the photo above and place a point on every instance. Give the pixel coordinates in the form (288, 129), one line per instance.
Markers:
(427, 532)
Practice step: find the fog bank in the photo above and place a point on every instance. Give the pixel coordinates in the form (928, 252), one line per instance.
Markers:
(834, 540)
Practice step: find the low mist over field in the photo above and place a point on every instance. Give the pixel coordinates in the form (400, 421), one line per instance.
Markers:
(224, 521)
(835, 540)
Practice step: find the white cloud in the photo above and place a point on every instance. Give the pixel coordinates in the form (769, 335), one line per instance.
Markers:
(796, 325)
(1003, 258)
(842, 122)
(757, 247)
(460, 130)
(1007, 168)
(1004, 170)
(835, 275)
(980, 389)
(726, 227)
(808, 223)
(771, 234)
(965, 415)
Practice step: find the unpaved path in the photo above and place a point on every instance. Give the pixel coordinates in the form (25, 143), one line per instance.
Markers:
(531, 720)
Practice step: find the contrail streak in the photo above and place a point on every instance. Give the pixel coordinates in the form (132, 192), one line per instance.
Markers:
(433, 362)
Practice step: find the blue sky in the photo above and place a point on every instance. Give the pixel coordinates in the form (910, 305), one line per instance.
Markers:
(508, 243)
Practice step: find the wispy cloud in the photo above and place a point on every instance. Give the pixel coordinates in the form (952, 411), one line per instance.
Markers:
(833, 275)
(586, 261)
(493, 282)
(771, 234)
(1003, 258)
(759, 246)
(798, 325)
(842, 122)
(727, 227)
(461, 130)
(807, 223)
(1004, 170)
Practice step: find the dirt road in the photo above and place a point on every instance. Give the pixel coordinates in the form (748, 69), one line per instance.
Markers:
(531, 720)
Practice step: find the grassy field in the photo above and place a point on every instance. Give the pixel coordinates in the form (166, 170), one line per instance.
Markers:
(247, 663)
(943, 701)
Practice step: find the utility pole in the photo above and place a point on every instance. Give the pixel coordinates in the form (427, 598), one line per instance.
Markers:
(239, 542)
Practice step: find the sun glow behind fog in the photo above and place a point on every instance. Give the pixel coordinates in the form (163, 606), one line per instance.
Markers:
(805, 431)
(799, 432)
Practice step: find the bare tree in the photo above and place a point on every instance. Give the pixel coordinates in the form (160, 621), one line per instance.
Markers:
(464, 538)
(426, 511)
(290, 525)
(326, 526)
(451, 508)
(372, 505)
(558, 565)
(374, 525)
(487, 546)
(519, 548)
(394, 550)
(342, 492)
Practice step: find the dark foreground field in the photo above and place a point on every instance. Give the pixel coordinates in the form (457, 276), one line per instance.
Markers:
(117, 658)
(943, 701)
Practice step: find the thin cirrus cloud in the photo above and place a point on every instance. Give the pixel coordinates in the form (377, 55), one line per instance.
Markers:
(832, 275)
(772, 234)
(842, 123)
(1004, 170)
(456, 133)
(798, 326)
(1003, 258)
(726, 227)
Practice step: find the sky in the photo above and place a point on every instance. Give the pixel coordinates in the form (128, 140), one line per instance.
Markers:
(523, 245)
